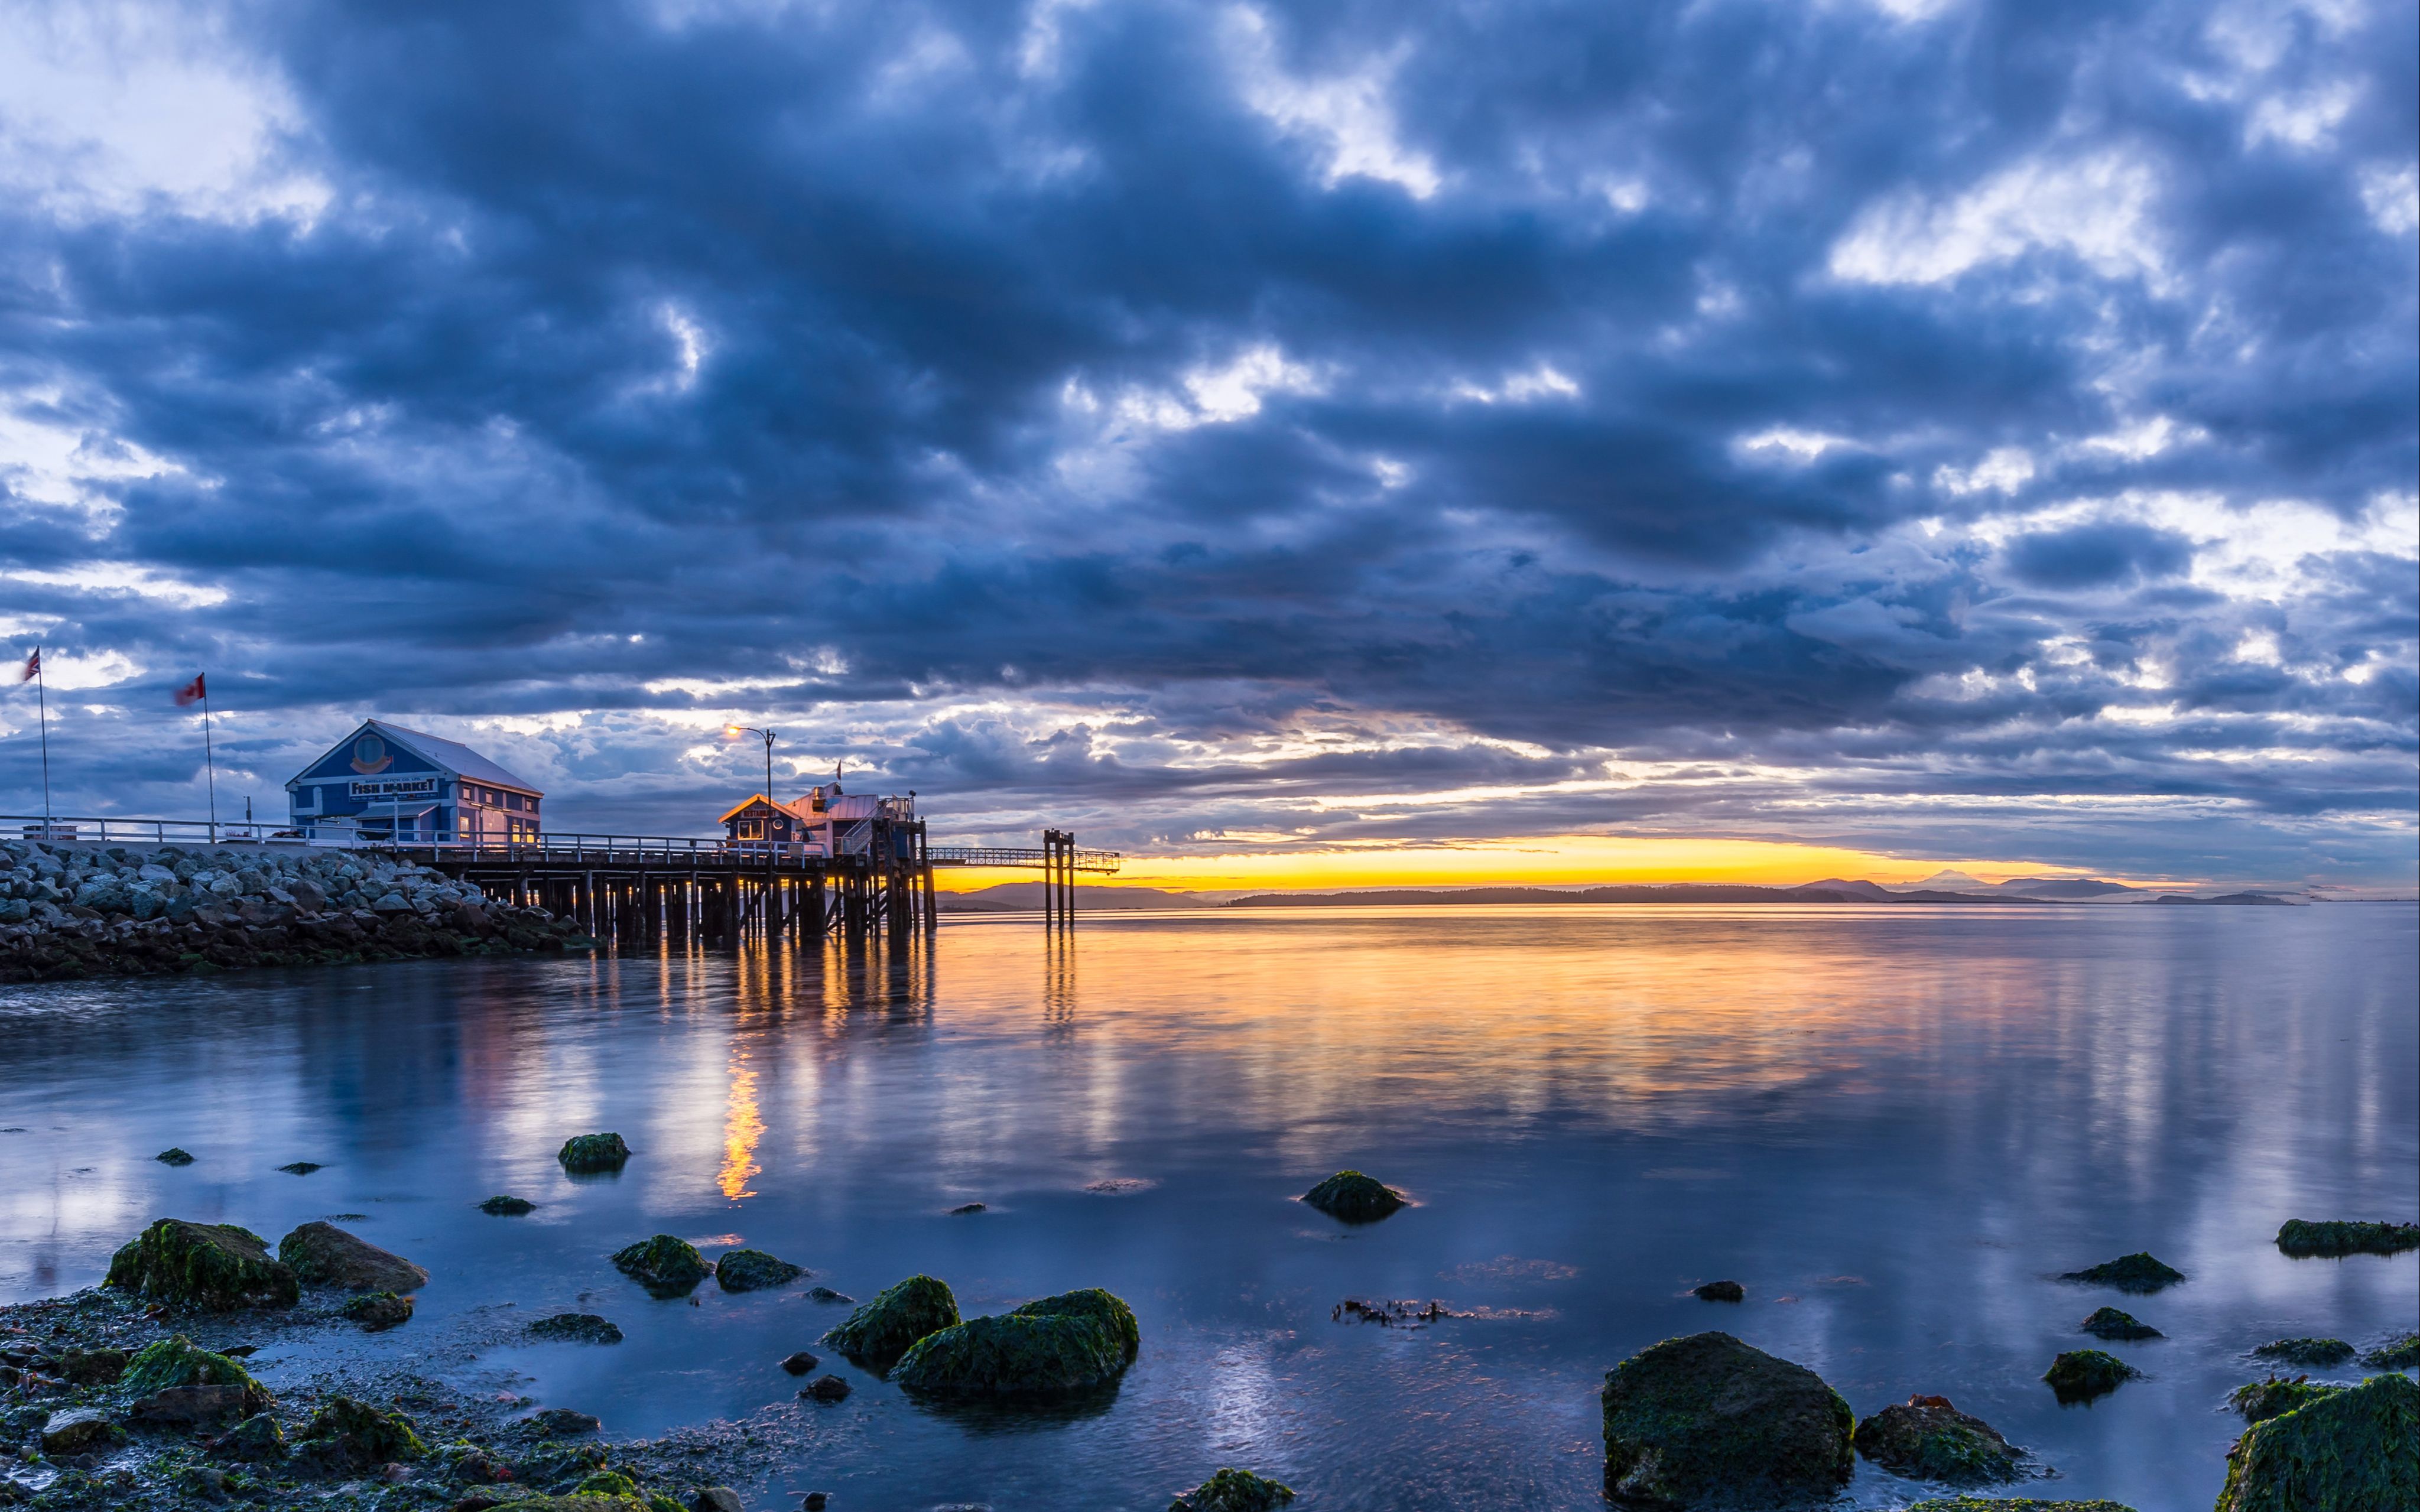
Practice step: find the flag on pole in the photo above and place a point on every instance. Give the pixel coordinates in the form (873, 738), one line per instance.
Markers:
(33, 667)
(192, 693)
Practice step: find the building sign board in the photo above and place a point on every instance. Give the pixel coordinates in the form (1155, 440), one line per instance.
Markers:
(401, 787)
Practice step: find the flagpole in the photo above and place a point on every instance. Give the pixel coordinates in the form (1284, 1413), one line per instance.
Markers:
(43, 706)
(209, 765)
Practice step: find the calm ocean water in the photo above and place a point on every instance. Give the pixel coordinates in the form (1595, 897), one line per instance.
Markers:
(1893, 1124)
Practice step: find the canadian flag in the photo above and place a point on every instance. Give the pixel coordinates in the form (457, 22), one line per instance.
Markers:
(193, 692)
(33, 667)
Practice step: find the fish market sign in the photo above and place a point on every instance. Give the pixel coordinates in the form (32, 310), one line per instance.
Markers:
(401, 787)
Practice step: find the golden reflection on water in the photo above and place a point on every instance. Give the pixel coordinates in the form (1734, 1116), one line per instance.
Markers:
(742, 1127)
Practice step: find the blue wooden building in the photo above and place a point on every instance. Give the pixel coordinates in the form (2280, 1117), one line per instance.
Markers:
(385, 782)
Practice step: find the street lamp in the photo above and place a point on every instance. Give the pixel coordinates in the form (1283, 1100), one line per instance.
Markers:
(735, 732)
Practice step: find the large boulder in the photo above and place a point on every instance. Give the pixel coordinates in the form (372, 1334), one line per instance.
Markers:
(1706, 1421)
(2114, 1323)
(1234, 1490)
(2260, 1400)
(323, 1255)
(1927, 1438)
(583, 1154)
(1353, 1198)
(2138, 1273)
(752, 1270)
(2080, 1375)
(2303, 1239)
(666, 1266)
(178, 1364)
(1073, 1342)
(2351, 1451)
(80, 1430)
(880, 1331)
(213, 1266)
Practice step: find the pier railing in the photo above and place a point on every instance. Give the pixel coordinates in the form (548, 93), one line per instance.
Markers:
(1012, 855)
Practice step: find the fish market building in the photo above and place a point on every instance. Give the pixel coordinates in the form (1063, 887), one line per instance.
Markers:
(386, 783)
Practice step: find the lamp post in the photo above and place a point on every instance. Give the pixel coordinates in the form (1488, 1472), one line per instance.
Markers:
(735, 732)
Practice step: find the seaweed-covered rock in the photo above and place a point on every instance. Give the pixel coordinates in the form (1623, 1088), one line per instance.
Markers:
(256, 1440)
(1927, 1438)
(667, 1267)
(347, 1437)
(174, 1362)
(576, 1328)
(80, 1430)
(2350, 1451)
(2394, 1354)
(752, 1270)
(191, 1408)
(2110, 1324)
(826, 1389)
(882, 1331)
(2320, 1352)
(213, 1266)
(565, 1423)
(1353, 1198)
(1073, 1342)
(2080, 1375)
(91, 1367)
(378, 1311)
(1719, 1291)
(582, 1155)
(800, 1363)
(2138, 1273)
(2260, 1400)
(1707, 1419)
(1234, 1490)
(507, 1207)
(827, 1295)
(2022, 1503)
(323, 1255)
(2013, 1504)
(2304, 1239)
(173, 1155)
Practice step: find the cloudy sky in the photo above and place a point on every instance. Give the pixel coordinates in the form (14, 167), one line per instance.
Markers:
(1504, 439)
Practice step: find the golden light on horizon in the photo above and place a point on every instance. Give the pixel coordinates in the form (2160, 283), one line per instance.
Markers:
(1540, 861)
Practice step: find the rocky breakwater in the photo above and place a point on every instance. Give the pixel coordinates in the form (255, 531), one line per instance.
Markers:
(71, 910)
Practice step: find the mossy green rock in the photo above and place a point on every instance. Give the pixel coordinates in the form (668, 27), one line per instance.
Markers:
(1932, 1440)
(92, 1368)
(2022, 1503)
(2356, 1450)
(2321, 1352)
(1073, 1342)
(2139, 1272)
(576, 1328)
(667, 1267)
(2013, 1504)
(2110, 1324)
(2080, 1375)
(1353, 1198)
(2260, 1400)
(348, 1437)
(1234, 1490)
(507, 1207)
(323, 1255)
(582, 1155)
(1709, 1420)
(882, 1331)
(256, 1440)
(2396, 1354)
(752, 1270)
(2303, 1240)
(378, 1311)
(214, 1266)
(177, 1361)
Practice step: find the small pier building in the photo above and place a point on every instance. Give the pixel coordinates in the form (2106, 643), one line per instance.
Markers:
(391, 785)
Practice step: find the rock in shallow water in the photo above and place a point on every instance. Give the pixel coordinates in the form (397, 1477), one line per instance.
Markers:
(882, 1331)
(2321, 1352)
(2080, 1375)
(1720, 1291)
(585, 1153)
(2138, 1273)
(218, 1267)
(176, 1361)
(2304, 1239)
(2357, 1449)
(826, 1389)
(2260, 1400)
(1234, 1490)
(800, 1363)
(576, 1328)
(1072, 1342)
(1927, 1438)
(1707, 1419)
(2396, 1354)
(666, 1266)
(1353, 1198)
(323, 1255)
(751, 1270)
(173, 1156)
(378, 1311)
(2110, 1324)
(507, 1207)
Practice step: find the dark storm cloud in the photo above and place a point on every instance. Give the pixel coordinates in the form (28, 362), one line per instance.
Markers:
(1123, 404)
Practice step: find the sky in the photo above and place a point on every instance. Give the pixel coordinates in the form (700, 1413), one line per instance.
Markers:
(1339, 442)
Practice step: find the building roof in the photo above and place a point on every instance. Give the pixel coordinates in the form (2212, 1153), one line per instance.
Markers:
(454, 756)
(754, 799)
